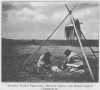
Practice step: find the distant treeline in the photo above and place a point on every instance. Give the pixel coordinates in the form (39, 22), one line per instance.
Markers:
(17, 42)
(94, 43)
(85, 43)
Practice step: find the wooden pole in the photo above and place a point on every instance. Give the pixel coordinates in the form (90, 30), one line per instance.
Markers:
(89, 46)
(82, 50)
(43, 42)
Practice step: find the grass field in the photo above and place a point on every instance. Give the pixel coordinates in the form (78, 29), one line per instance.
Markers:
(14, 56)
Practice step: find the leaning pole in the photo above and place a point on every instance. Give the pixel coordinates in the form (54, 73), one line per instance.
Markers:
(46, 40)
(82, 50)
(80, 43)
(43, 43)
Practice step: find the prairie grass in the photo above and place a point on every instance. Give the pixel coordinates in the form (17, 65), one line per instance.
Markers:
(14, 56)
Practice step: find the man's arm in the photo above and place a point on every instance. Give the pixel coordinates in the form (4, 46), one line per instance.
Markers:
(66, 61)
(40, 62)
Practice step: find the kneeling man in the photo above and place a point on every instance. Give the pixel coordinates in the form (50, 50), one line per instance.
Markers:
(73, 62)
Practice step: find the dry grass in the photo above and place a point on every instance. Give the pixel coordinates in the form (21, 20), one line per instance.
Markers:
(14, 56)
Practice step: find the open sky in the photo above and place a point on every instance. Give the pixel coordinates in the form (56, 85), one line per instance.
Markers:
(37, 20)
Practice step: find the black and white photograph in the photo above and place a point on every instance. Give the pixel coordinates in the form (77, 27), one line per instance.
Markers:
(50, 42)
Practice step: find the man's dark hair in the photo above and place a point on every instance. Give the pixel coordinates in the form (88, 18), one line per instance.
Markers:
(67, 52)
(47, 56)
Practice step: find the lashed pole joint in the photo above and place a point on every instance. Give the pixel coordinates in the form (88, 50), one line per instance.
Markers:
(70, 12)
(73, 20)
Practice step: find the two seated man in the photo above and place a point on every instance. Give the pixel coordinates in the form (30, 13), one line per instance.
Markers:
(73, 62)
